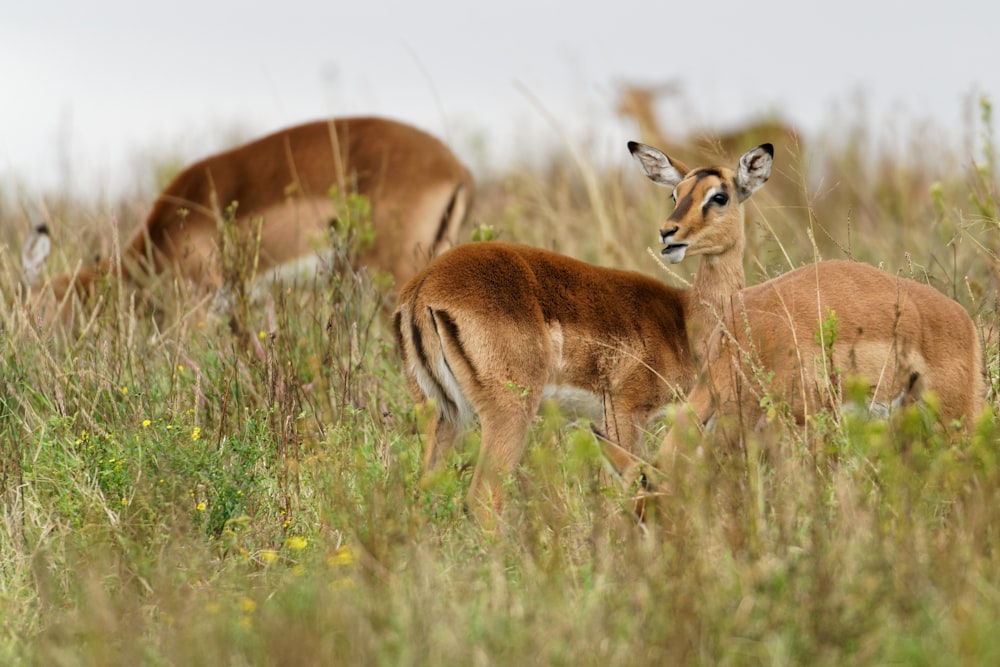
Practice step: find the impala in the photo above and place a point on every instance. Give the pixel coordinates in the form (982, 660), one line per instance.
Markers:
(280, 186)
(489, 329)
(799, 339)
(901, 337)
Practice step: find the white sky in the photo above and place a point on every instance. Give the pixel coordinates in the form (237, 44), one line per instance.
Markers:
(86, 87)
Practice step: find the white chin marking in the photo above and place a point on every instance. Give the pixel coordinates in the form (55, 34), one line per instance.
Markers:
(674, 255)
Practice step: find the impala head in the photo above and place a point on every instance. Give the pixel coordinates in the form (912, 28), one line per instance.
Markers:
(708, 202)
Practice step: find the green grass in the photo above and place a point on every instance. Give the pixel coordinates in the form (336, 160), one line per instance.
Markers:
(178, 494)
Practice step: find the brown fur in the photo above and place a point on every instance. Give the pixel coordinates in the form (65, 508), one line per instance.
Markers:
(715, 232)
(902, 338)
(418, 190)
(484, 329)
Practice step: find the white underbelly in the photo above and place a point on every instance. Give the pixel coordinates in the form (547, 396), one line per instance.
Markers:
(303, 272)
(575, 402)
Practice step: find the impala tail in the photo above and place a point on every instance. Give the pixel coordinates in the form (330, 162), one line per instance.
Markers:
(425, 337)
(454, 215)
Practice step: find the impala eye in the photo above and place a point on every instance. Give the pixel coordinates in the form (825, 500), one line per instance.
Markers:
(721, 199)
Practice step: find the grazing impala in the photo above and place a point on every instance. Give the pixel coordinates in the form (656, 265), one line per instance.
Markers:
(418, 190)
(489, 329)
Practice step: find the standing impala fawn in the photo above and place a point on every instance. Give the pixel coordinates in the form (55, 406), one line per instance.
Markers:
(489, 329)
(280, 188)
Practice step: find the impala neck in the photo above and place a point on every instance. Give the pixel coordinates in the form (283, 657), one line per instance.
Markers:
(718, 278)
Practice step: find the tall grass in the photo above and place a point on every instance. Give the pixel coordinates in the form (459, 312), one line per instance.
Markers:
(180, 491)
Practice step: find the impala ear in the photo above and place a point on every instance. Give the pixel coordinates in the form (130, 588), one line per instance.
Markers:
(658, 167)
(754, 170)
(34, 252)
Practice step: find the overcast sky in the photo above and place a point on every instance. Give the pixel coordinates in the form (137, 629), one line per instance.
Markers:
(89, 86)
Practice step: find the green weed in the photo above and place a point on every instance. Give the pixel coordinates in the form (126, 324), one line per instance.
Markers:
(177, 493)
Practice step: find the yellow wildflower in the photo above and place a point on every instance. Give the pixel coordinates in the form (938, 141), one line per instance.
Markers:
(146, 423)
(296, 543)
(342, 556)
(202, 506)
(196, 433)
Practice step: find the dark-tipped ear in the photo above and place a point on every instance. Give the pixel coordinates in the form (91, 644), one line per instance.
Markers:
(754, 170)
(658, 167)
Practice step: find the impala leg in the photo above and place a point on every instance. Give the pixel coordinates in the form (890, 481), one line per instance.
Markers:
(619, 459)
(691, 419)
(441, 436)
(505, 434)
(622, 442)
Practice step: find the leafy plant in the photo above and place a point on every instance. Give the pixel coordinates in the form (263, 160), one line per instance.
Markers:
(175, 493)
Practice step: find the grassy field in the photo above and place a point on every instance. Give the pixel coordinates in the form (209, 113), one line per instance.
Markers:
(179, 491)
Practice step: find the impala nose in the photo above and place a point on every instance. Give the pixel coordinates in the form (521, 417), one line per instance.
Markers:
(665, 234)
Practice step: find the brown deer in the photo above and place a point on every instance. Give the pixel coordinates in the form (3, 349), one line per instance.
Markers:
(489, 329)
(799, 339)
(902, 338)
(280, 186)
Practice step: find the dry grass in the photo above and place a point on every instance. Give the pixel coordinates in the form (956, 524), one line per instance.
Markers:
(175, 494)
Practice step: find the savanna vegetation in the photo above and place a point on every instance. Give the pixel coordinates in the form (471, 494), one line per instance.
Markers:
(184, 489)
